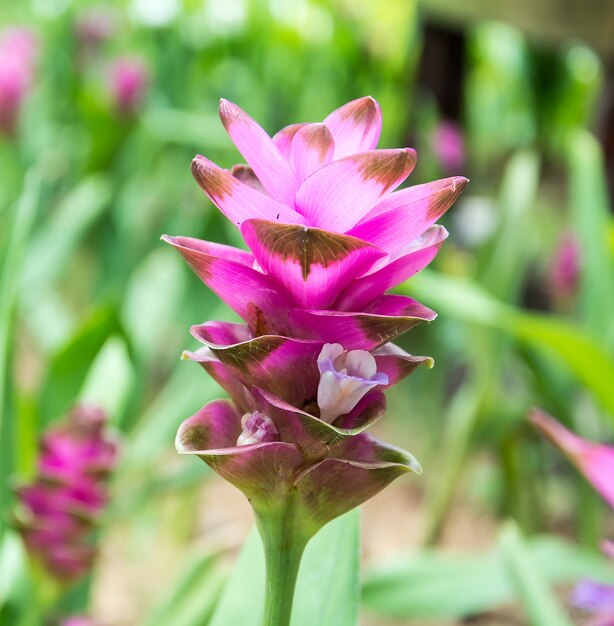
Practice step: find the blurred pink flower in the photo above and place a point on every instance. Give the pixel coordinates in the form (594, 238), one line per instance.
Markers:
(449, 146)
(596, 462)
(18, 52)
(95, 25)
(62, 505)
(128, 79)
(565, 268)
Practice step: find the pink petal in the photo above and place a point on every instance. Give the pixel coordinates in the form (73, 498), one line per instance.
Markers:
(283, 139)
(397, 364)
(388, 318)
(221, 333)
(406, 214)
(356, 126)
(366, 289)
(312, 147)
(253, 296)
(312, 264)
(261, 153)
(595, 461)
(236, 200)
(267, 362)
(340, 194)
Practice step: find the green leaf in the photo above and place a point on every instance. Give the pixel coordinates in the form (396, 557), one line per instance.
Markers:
(69, 367)
(192, 597)
(508, 255)
(591, 217)
(23, 218)
(111, 369)
(53, 243)
(575, 347)
(327, 591)
(433, 584)
(539, 602)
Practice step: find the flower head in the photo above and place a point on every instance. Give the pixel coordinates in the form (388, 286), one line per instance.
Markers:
(328, 236)
(62, 505)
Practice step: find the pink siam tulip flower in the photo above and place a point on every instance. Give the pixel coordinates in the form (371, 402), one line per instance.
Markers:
(61, 507)
(328, 237)
(18, 52)
(128, 78)
(449, 146)
(596, 462)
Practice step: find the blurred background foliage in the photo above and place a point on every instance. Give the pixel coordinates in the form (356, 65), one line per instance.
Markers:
(94, 308)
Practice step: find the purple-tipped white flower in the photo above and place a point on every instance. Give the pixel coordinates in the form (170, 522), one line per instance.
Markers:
(345, 377)
(257, 428)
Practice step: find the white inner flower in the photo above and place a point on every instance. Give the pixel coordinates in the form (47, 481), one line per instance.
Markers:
(257, 428)
(345, 377)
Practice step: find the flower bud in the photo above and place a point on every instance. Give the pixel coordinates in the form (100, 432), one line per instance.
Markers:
(257, 428)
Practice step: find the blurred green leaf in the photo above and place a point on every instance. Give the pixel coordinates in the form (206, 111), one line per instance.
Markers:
(433, 584)
(153, 298)
(13, 560)
(465, 300)
(55, 240)
(25, 210)
(327, 591)
(530, 585)
(591, 217)
(185, 127)
(504, 268)
(69, 367)
(191, 599)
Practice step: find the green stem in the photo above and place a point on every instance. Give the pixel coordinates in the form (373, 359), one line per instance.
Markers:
(284, 541)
